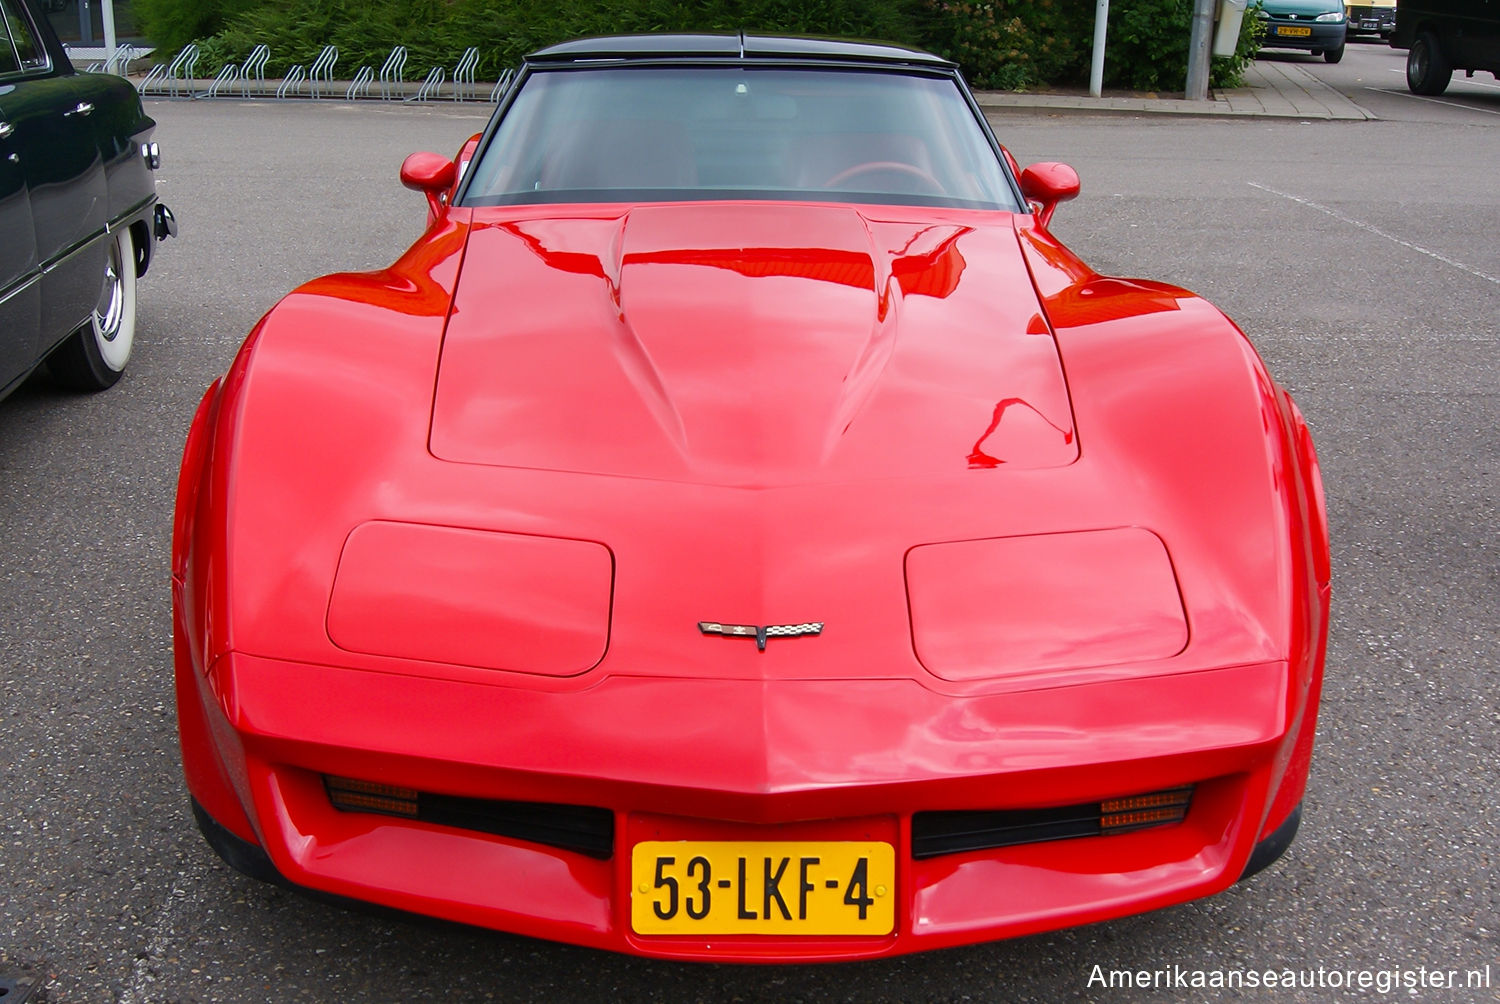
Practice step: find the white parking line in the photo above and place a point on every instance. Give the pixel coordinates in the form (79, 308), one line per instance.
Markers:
(141, 989)
(1420, 97)
(1474, 83)
(1377, 231)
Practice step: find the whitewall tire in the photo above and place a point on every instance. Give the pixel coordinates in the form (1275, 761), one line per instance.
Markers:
(95, 355)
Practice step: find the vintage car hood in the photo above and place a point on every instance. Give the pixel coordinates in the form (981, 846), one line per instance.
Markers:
(749, 344)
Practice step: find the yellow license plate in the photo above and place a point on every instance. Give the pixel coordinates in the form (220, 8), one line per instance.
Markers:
(1283, 29)
(698, 887)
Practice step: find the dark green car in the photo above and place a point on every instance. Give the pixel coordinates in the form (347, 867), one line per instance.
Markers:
(1317, 26)
(78, 209)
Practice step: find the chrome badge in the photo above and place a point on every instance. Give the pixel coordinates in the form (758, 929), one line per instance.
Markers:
(760, 634)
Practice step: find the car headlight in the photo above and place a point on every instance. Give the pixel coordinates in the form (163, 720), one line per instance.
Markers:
(1260, 12)
(1011, 606)
(506, 601)
(1333, 15)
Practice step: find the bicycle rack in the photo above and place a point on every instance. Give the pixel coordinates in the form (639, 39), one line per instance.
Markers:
(464, 88)
(322, 70)
(392, 74)
(154, 78)
(431, 87)
(182, 69)
(255, 67)
(360, 88)
(119, 63)
(291, 85)
(228, 74)
(316, 81)
(501, 86)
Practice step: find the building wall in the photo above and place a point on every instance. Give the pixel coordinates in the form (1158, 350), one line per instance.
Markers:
(81, 22)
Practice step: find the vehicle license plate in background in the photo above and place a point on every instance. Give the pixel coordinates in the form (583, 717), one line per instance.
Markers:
(1283, 29)
(698, 887)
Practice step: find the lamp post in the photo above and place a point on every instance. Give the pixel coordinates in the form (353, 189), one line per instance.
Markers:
(1198, 57)
(86, 24)
(109, 28)
(1096, 68)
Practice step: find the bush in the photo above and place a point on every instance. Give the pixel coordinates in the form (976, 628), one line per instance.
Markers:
(1010, 44)
(436, 32)
(1002, 44)
(1147, 48)
(1230, 71)
(172, 24)
(1018, 44)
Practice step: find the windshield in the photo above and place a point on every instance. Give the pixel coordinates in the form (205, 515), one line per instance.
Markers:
(693, 133)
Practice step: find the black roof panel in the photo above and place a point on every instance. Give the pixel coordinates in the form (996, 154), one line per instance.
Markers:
(838, 48)
(739, 46)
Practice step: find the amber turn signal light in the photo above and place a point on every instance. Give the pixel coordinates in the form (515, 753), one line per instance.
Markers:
(1118, 815)
(351, 795)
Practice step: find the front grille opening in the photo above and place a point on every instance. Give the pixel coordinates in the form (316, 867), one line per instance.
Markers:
(581, 828)
(937, 833)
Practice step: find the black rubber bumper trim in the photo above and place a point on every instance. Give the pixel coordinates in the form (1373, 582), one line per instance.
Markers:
(1268, 850)
(241, 855)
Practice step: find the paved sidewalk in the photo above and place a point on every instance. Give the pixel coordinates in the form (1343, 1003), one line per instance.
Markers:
(1272, 88)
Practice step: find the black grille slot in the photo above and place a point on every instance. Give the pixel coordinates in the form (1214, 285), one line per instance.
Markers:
(581, 828)
(937, 833)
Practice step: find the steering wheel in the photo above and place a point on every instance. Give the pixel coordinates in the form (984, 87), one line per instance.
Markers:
(909, 171)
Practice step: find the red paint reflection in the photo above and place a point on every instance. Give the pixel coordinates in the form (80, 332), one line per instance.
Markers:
(978, 459)
(420, 283)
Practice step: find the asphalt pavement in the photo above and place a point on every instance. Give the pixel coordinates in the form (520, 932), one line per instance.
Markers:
(1358, 254)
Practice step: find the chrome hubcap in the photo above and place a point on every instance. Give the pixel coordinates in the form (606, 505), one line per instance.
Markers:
(111, 306)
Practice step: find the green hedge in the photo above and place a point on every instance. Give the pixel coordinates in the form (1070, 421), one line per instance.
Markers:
(437, 31)
(1011, 45)
(1004, 44)
(1020, 44)
(1147, 48)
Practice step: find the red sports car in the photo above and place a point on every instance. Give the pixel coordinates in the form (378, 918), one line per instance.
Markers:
(738, 530)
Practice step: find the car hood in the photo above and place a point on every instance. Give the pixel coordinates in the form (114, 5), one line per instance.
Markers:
(635, 347)
(749, 344)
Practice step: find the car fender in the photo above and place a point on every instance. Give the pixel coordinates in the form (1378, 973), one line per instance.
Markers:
(1223, 437)
(315, 356)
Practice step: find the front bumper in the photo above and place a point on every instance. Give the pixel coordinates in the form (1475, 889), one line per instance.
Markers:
(163, 223)
(256, 763)
(1322, 36)
(1372, 20)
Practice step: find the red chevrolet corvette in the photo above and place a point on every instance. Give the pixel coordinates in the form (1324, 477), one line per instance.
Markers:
(738, 530)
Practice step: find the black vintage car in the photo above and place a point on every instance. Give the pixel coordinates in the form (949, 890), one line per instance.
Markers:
(78, 209)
